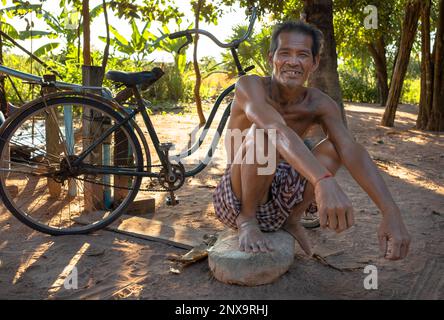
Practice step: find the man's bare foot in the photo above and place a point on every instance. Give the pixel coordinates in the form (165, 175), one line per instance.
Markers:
(251, 238)
(298, 232)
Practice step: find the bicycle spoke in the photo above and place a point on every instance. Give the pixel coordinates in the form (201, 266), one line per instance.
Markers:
(36, 148)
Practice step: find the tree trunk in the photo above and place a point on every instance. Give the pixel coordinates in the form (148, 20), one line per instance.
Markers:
(409, 27)
(425, 102)
(197, 85)
(86, 33)
(378, 52)
(93, 193)
(436, 121)
(3, 99)
(108, 40)
(326, 77)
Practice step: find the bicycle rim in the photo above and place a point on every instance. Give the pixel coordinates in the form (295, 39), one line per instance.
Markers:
(37, 144)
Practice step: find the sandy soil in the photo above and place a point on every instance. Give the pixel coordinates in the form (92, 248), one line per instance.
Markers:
(113, 266)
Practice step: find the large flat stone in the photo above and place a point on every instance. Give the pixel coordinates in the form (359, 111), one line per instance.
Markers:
(232, 266)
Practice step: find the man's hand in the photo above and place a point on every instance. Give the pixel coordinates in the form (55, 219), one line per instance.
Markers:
(394, 239)
(335, 209)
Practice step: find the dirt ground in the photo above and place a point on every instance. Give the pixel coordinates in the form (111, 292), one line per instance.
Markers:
(114, 266)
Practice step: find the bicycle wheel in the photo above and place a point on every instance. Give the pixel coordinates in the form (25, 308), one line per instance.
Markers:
(40, 186)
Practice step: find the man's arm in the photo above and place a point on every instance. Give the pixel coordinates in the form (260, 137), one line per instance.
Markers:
(362, 168)
(251, 97)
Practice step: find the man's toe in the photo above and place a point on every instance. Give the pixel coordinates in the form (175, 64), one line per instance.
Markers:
(269, 245)
(254, 248)
(262, 246)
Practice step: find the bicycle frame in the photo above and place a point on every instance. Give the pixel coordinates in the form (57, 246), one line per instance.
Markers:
(156, 142)
(105, 92)
(106, 97)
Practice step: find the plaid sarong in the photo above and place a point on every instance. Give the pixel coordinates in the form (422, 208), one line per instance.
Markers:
(286, 191)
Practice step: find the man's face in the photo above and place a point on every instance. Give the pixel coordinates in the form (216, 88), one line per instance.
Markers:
(293, 61)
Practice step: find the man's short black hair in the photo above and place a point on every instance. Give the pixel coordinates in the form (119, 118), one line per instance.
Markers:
(301, 27)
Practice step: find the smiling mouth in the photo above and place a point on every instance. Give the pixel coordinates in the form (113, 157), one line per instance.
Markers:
(293, 73)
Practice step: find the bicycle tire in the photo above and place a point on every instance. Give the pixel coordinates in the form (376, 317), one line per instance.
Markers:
(34, 112)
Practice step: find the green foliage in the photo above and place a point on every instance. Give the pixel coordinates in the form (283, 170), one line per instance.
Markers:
(26, 91)
(148, 10)
(356, 88)
(279, 10)
(21, 9)
(253, 51)
(209, 11)
(9, 30)
(137, 46)
(46, 48)
(172, 46)
(356, 70)
(174, 83)
(357, 82)
(411, 90)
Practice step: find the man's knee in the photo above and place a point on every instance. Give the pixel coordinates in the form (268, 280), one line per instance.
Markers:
(259, 148)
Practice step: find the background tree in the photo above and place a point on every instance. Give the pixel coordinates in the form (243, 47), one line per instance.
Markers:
(148, 10)
(86, 33)
(425, 104)
(376, 44)
(197, 8)
(436, 121)
(326, 77)
(365, 58)
(431, 107)
(409, 27)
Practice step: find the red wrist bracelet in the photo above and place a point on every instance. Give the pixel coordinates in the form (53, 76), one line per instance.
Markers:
(327, 175)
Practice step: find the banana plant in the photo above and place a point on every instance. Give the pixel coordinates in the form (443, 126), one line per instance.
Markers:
(20, 9)
(174, 78)
(137, 46)
(172, 46)
(57, 25)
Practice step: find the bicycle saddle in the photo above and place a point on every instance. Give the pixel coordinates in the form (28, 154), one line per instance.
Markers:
(131, 79)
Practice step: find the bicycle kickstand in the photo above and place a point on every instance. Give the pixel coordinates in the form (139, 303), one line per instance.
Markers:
(172, 199)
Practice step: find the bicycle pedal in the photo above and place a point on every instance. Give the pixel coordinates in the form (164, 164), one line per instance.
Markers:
(170, 202)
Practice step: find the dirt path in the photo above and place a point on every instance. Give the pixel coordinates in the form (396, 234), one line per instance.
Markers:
(113, 266)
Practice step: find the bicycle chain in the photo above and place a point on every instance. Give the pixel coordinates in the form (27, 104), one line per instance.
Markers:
(152, 189)
(125, 188)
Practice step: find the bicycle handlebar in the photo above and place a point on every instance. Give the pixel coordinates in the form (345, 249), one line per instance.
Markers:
(232, 44)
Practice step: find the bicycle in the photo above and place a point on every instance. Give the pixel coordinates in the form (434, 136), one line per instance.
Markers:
(62, 175)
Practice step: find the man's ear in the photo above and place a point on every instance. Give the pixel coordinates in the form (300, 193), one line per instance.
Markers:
(270, 59)
(316, 63)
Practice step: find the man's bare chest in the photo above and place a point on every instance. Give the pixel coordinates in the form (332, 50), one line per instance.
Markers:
(299, 118)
